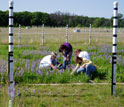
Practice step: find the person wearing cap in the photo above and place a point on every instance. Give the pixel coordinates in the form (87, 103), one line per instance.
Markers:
(49, 61)
(84, 65)
(66, 50)
(82, 54)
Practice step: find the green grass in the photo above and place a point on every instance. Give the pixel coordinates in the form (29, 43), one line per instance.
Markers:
(29, 53)
(86, 95)
(58, 96)
(28, 59)
(55, 77)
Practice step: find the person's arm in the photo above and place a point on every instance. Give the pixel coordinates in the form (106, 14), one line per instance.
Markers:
(63, 54)
(86, 62)
(67, 57)
(96, 66)
(52, 66)
(49, 61)
(57, 63)
(69, 54)
(75, 69)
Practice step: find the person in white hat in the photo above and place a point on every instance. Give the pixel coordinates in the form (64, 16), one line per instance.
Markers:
(49, 61)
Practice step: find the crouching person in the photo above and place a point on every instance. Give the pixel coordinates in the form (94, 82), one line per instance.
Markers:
(49, 61)
(66, 50)
(82, 54)
(84, 65)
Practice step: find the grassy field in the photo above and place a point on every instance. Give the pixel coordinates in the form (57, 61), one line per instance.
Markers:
(86, 95)
(33, 36)
(27, 58)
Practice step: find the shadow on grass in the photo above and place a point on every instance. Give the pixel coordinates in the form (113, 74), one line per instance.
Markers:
(100, 75)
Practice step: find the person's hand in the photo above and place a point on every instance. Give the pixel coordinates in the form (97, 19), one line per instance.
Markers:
(71, 72)
(83, 65)
(54, 68)
(67, 59)
(59, 65)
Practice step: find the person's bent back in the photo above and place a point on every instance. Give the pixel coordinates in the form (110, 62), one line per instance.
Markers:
(49, 61)
(82, 54)
(66, 50)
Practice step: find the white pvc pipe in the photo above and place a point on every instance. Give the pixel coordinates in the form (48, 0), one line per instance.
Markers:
(114, 49)
(43, 34)
(66, 33)
(10, 103)
(10, 54)
(90, 34)
(19, 36)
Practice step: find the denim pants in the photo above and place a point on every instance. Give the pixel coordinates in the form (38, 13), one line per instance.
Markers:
(66, 62)
(88, 70)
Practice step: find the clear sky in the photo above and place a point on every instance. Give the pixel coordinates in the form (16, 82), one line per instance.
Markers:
(91, 8)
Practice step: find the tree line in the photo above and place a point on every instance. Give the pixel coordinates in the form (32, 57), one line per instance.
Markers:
(57, 19)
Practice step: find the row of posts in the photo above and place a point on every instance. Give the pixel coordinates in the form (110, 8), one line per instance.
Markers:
(10, 53)
(66, 35)
(19, 35)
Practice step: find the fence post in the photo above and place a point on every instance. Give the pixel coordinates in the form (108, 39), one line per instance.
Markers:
(42, 34)
(90, 34)
(114, 49)
(66, 33)
(10, 54)
(99, 30)
(19, 36)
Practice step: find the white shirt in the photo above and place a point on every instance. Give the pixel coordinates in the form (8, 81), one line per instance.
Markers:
(84, 54)
(46, 61)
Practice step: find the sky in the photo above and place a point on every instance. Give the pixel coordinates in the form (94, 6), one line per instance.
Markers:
(90, 8)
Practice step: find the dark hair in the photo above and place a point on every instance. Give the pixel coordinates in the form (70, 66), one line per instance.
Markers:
(63, 47)
(77, 59)
(78, 50)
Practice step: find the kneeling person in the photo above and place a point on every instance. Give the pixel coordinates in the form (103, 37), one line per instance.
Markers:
(82, 54)
(84, 65)
(49, 61)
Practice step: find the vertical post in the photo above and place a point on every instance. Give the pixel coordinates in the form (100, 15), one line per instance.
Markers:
(67, 33)
(104, 29)
(19, 36)
(99, 30)
(90, 34)
(42, 34)
(10, 54)
(114, 49)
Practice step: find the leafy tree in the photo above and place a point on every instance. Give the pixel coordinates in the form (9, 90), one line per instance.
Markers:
(3, 18)
(36, 18)
(120, 20)
(98, 22)
(57, 19)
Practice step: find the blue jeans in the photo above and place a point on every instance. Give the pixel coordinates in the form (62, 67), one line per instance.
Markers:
(88, 70)
(81, 70)
(54, 62)
(66, 62)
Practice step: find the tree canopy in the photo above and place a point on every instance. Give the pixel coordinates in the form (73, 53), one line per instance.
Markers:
(57, 19)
